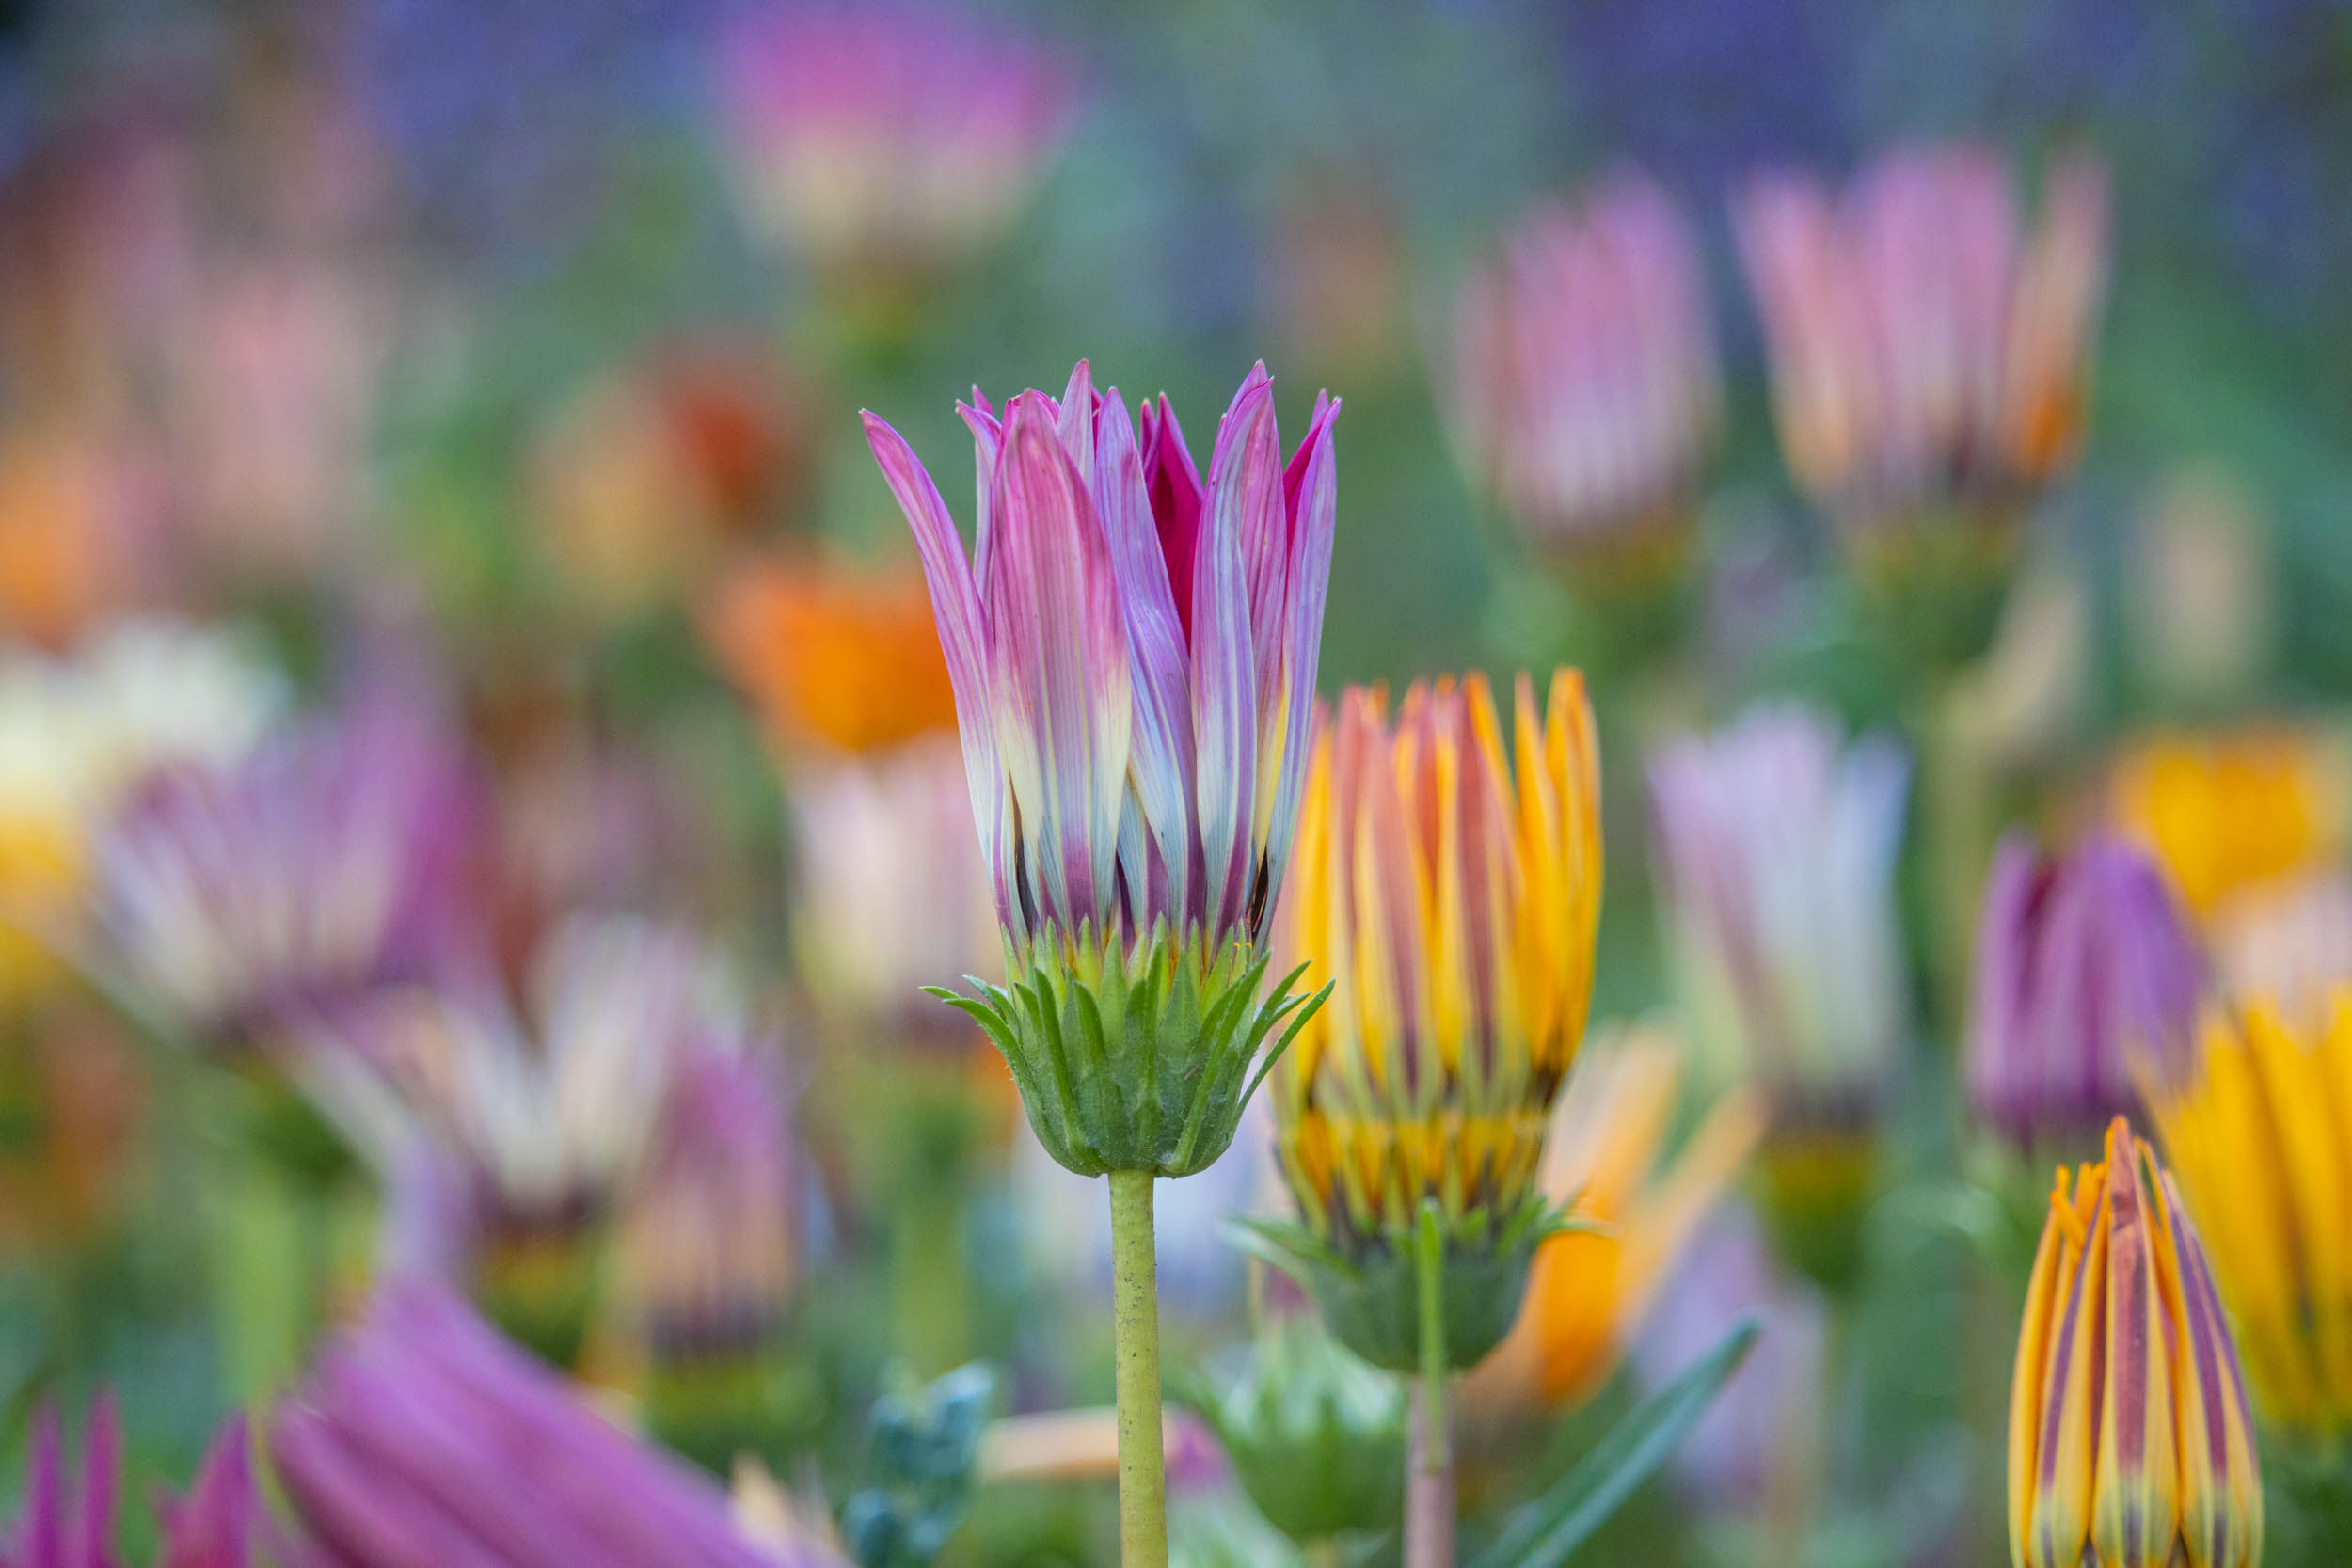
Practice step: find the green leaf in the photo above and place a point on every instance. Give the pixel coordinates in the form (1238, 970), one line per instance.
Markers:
(1544, 1532)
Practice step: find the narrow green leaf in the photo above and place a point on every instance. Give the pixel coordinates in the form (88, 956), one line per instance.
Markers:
(1544, 1533)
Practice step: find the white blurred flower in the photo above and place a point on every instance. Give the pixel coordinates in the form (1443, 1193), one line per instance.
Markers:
(891, 894)
(1776, 845)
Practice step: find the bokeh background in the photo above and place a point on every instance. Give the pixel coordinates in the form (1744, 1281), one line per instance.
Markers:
(433, 429)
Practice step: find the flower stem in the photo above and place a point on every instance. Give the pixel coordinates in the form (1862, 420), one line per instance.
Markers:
(1429, 1481)
(1136, 1347)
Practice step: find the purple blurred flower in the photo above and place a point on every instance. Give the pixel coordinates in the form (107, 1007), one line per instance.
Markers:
(1584, 369)
(2085, 967)
(221, 1524)
(1134, 657)
(1776, 842)
(422, 1437)
(1925, 353)
(326, 864)
(710, 1246)
(551, 1121)
(890, 136)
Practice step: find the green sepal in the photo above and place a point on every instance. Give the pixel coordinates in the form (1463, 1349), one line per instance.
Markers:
(1370, 1294)
(1316, 1436)
(1138, 1059)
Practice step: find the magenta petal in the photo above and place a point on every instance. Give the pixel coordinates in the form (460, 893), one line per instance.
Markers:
(1058, 651)
(1074, 425)
(1178, 500)
(40, 1527)
(102, 1473)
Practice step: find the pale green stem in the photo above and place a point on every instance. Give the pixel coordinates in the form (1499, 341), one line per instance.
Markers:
(1429, 1486)
(1135, 1349)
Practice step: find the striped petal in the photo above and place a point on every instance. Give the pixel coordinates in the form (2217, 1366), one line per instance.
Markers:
(962, 639)
(1161, 765)
(1224, 675)
(1311, 500)
(1057, 655)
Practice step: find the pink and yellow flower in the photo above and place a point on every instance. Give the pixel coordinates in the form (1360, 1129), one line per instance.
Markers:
(1451, 899)
(2130, 1439)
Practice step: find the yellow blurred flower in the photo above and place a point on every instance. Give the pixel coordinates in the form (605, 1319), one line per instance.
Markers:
(2228, 812)
(2262, 1142)
(1452, 900)
(831, 657)
(2129, 1438)
(1591, 1288)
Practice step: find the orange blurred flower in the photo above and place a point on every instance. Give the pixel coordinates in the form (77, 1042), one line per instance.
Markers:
(833, 658)
(1591, 1288)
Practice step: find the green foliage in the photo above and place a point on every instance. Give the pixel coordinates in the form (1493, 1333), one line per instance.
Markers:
(925, 1446)
(1548, 1531)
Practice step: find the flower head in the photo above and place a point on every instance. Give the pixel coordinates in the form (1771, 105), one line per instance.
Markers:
(1925, 353)
(836, 662)
(1451, 898)
(77, 733)
(2084, 969)
(889, 888)
(2228, 814)
(2129, 1435)
(1591, 1288)
(897, 137)
(422, 1437)
(1776, 844)
(2263, 1145)
(326, 863)
(1133, 656)
(708, 1246)
(551, 1119)
(1584, 369)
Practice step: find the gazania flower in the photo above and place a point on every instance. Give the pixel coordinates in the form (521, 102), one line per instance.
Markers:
(2129, 1435)
(1132, 654)
(69, 1522)
(326, 864)
(1451, 898)
(77, 733)
(1584, 369)
(2229, 814)
(1776, 844)
(422, 1437)
(835, 661)
(2085, 972)
(894, 138)
(547, 1125)
(709, 1244)
(1927, 357)
(2264, 1150)
(1591, 1288)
